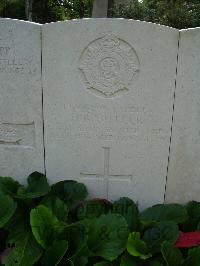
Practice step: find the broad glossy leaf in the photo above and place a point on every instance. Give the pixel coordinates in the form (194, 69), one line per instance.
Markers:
(37, 187)
(137, 247)
(171, 254)
(20, 219)
(57, 206)
(8, 186)
(193, 208)
(80, 261)
(55, 253)
(160, 232)
(7, 209)
(26, 250)
(45, 226)
(93, 208)
(82, 256)
(107, 235)
(193, 258)
(127, 208)
(70, 191)
(103, 263)
(96, 261)
(155, 263)
(165, 212)
(76, 236)
(128, 260)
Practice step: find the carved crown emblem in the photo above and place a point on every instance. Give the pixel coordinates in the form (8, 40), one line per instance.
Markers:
(107, 65)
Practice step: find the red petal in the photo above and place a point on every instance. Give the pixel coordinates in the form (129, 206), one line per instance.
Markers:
(188, 240)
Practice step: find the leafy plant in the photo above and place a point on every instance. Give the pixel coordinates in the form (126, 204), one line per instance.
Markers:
(57, 225)
(178, 13)
(137, 247)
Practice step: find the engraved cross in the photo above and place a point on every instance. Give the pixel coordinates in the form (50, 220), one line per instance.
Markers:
(106, 176)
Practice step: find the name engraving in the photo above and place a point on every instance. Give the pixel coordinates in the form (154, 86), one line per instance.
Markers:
(17, 66)
(17, 134)
(4, 50)
(101, 122)
(10, 63)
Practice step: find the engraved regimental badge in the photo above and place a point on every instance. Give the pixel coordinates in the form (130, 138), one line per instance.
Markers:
(107, 66)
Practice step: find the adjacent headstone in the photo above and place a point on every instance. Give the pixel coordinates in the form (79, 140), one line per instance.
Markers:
(108, 104)
(100, 9)
(21, 124)
(184, 166)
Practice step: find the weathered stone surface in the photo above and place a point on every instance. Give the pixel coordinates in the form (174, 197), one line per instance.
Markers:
(21, 125)
(100, 9)
(108, 103)
(184, 168)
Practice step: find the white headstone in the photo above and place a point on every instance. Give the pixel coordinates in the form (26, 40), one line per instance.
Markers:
(108, 103)
(184, 167)
(21, 124)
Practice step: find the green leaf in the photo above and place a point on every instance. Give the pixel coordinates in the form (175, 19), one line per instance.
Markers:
(107, 235)
(171, 254)
(8, 207)
(160, 232)
(76, 236)
(93, 208)
(70, 191)
(8, 186)
(18, 223)
(55, 253)
(136, 247)
(193, 209)
(45, 226)
(57, 206)
(165, 212)
(103, 263)
(128, 260)
(82, 255)
(127, 208)
(193, 258)
(37, 187)
(96, 261)
(26, 250)
(81, 260)
(155, 263)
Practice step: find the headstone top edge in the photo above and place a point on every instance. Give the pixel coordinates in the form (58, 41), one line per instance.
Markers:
(190, 30)
(19, 21)
(114, 20)
(100, 19)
